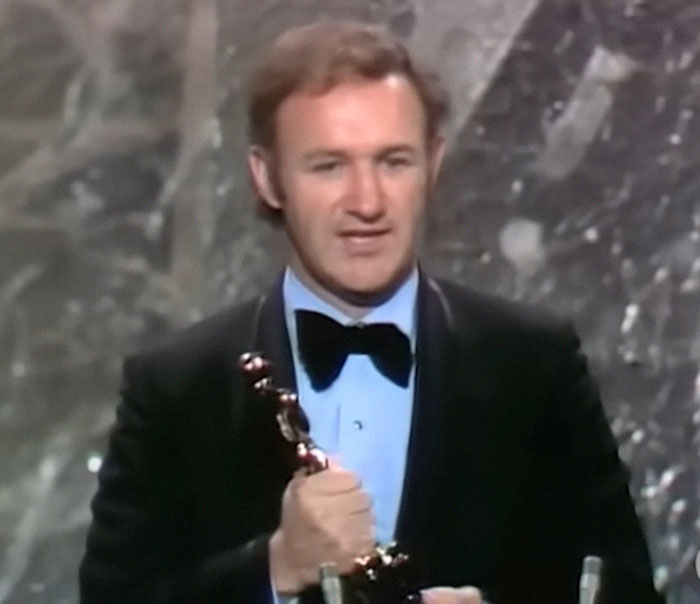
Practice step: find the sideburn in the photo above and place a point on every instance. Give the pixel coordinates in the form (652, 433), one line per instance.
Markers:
(275, 180)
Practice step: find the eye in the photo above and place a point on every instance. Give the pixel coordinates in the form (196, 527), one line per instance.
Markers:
(397, 161)
(326, 166)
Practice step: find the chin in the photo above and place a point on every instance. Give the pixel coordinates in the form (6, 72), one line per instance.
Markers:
(369, 291)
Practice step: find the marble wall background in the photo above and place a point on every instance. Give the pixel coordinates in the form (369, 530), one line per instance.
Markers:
(573, 182)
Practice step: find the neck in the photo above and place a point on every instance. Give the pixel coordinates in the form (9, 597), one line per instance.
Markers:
(353, 304)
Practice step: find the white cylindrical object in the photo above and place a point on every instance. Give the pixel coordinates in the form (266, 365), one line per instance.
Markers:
(330, 584)
(589, 586)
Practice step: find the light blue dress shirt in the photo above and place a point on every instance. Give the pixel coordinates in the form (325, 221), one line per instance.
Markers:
(363, 419)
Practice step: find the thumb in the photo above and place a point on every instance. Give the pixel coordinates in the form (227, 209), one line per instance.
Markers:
(334, 462)
(451, 595)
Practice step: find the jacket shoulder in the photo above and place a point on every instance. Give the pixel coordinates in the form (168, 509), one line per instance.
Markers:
(488, 315)
(212, 344)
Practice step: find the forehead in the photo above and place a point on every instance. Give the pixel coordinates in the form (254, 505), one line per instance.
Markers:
(352, 114)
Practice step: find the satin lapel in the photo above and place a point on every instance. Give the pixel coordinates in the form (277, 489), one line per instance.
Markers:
(419, 502)
(458, 490)
(270, 338)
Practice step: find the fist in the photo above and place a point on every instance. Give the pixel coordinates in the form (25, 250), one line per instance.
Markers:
(326, 517)
(451, 595)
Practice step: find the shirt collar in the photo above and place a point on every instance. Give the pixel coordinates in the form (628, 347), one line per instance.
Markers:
(399, 309)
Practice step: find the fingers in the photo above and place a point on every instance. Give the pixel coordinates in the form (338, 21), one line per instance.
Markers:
(333, 481)
(326, 517)
(451, 595)
(330, 500)
(333, 492)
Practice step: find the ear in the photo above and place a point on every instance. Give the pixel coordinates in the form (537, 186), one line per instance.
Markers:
(436, 153)
(260, 170)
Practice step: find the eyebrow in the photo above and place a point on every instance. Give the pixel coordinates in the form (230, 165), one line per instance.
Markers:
(398, 149)
(339, 153)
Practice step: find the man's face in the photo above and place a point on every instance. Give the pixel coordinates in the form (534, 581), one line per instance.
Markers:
(353, 171)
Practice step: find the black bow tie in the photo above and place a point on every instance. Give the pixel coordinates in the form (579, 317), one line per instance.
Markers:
(324, 345)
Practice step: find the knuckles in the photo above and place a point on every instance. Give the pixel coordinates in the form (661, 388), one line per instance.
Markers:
(326, 517)
(333, 480)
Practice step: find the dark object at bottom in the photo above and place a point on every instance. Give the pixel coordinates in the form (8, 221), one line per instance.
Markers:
(396, 585)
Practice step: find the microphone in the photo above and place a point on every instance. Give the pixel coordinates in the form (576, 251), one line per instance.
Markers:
(589, 586)
(330, 583)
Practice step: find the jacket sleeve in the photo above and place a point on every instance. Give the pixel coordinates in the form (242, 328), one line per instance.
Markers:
(583, 441)
(575, 498)
(134, 549)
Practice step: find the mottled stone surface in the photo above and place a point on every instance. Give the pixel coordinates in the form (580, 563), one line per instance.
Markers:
(573, 182)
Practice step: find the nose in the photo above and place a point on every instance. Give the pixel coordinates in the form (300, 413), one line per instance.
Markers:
(366, 199)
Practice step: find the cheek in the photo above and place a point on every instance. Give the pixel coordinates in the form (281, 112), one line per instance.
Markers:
(309, 200)
(410, 207)
(310, 228)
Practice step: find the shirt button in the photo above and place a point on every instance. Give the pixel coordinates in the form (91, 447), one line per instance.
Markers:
(357, 424)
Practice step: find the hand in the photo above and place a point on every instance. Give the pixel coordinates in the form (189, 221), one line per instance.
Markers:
(326, 517)
(451, 595)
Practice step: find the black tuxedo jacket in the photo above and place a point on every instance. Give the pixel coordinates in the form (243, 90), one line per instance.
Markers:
(512, 475)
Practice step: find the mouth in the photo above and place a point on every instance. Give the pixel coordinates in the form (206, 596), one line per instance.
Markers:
(363, 241)
(363, 234)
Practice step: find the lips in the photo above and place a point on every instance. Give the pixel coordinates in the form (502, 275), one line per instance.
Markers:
(363, 241)
(363, 233)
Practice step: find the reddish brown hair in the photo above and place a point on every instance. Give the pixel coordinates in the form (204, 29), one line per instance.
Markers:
(318, 56)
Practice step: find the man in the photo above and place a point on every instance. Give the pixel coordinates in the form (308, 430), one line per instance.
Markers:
(475, 436)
